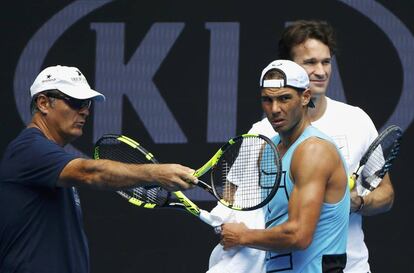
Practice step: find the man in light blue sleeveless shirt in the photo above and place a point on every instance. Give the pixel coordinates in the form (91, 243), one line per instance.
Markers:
(307, 220)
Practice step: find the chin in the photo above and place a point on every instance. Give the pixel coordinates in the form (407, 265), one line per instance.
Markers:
(76, 133)
(318, 90)
(278, 129)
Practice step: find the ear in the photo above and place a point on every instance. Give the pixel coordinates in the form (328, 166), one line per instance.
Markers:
(43, 104)
(306, 97)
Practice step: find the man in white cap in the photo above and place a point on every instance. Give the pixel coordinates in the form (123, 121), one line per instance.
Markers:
(312, 45)
(40, 216)
(307, 220)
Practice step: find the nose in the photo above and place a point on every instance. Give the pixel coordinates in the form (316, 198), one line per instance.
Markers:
(275, 107)
(319, 70)
(84, 111)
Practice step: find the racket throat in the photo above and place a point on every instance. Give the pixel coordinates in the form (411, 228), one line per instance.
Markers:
(205, 186)
(187, 204)
(368, 184)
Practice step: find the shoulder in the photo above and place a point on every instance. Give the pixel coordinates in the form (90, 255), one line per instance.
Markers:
(314, 157)
(315, 151)
(348, 109)
(351, 117)
(313, 131)
(316, 144)
(32, 159)
(32, 145)
(34, 139)
(30, 136)
(27, 138)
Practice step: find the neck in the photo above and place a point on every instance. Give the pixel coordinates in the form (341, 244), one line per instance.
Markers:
(39, 122)
(289, 137)
(320, 108)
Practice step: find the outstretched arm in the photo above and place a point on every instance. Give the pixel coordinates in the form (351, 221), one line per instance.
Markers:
(112, 175)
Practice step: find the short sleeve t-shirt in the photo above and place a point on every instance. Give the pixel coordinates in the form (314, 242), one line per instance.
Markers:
(40, 223)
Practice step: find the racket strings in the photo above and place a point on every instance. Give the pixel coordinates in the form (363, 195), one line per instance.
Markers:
(227, 188)
(246, 173)
(390, 154)
(380, 160)
(113, 149)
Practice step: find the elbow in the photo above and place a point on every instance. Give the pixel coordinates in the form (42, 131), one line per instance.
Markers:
(300, 238)
(388, 193)
(89, 181)
(303, 242)
(90, 174)
(388, 198)
(84, 173)
(390, 202)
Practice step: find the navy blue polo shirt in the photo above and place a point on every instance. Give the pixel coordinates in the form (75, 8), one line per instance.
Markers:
(40, 223)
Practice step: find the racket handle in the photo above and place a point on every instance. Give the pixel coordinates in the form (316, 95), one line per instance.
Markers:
(212, 220)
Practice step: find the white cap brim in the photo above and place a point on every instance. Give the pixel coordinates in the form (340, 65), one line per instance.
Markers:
(82, 93)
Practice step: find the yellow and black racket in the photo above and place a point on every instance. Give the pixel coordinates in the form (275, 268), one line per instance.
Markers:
(245, 174)
(377, 160)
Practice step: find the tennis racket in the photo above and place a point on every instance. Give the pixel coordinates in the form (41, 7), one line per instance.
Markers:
(378, 160)
(245, 174)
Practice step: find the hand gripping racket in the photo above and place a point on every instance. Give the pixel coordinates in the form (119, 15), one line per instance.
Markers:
(245, 174)
(377, 160)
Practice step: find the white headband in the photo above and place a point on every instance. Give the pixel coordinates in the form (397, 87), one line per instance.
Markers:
(273, 83)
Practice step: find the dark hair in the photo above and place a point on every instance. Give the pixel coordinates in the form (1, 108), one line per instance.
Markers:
(300, 31)
(274, 74)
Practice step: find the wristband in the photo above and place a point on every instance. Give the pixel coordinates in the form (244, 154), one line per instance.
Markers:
(361, 205)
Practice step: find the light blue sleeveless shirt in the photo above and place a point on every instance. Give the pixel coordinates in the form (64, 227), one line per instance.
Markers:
(328, 246)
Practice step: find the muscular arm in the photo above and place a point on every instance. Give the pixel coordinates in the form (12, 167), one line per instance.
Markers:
(311, 182)
(378, 201)
(111, 175)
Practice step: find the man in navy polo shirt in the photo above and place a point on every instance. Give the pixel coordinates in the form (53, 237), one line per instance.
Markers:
(40, 215)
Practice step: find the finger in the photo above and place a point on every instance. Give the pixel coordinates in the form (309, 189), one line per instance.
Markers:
(192, 179)
(189, 181)
(186, 184)
(186, 169)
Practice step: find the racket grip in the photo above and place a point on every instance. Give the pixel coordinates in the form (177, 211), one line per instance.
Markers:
(212, 220)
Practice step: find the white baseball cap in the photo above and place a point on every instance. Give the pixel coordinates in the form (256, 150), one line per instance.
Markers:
(66, 79)
(294, 76)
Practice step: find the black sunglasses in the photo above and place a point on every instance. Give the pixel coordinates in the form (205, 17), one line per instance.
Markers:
(73, 103)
